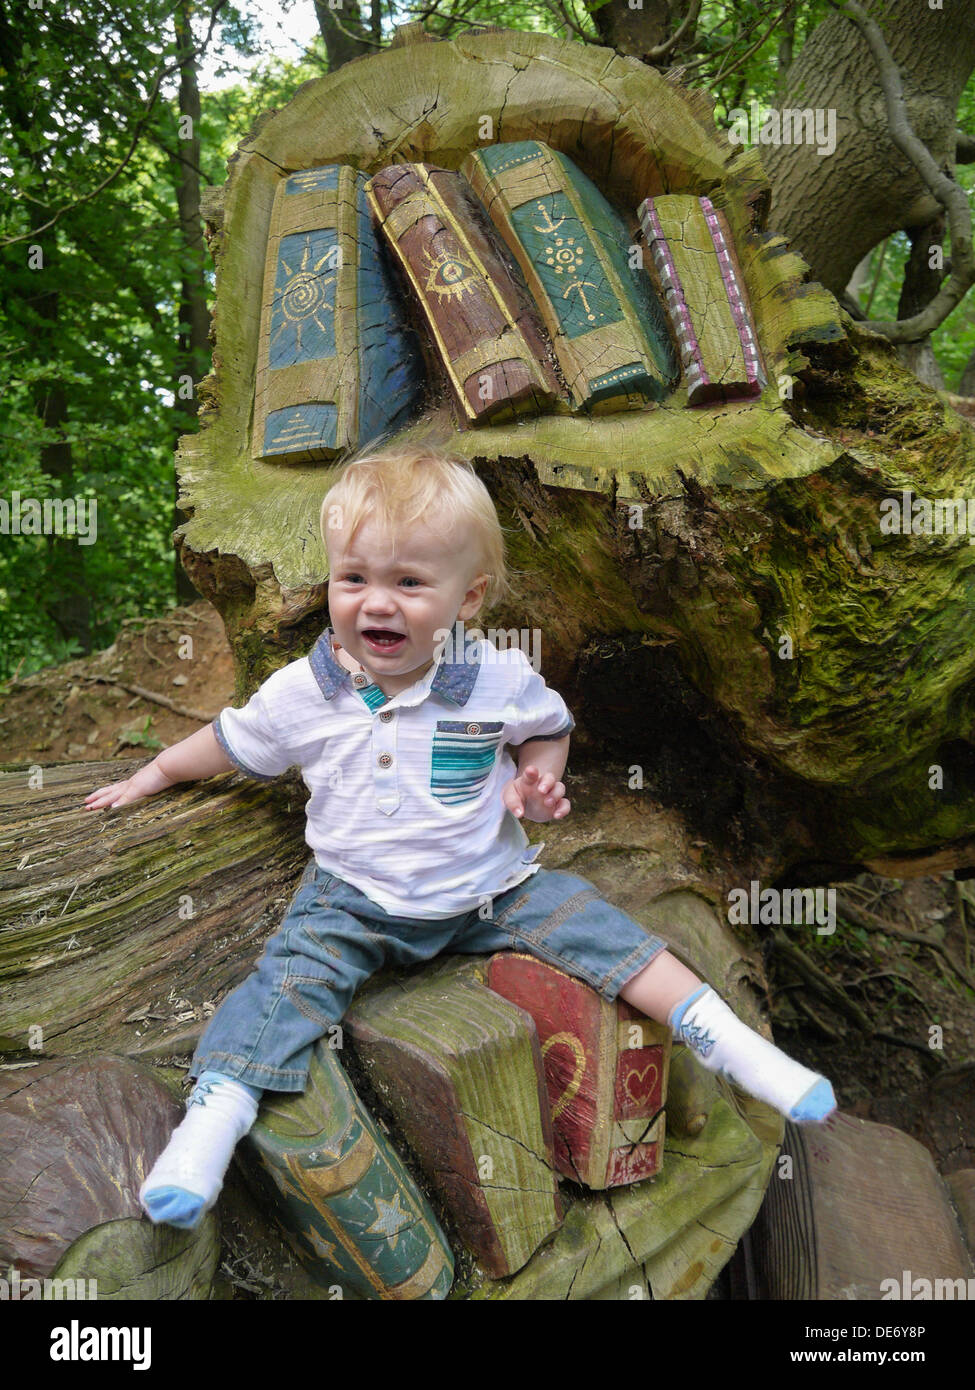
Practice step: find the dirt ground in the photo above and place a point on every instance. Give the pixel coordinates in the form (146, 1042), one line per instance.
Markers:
(164, 677)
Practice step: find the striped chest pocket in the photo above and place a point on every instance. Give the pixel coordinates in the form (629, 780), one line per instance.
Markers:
(462, 757)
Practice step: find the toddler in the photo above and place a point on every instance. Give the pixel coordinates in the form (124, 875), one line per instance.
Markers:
(402, 738)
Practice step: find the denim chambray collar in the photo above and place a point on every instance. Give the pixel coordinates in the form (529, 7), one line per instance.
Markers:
(454, 679)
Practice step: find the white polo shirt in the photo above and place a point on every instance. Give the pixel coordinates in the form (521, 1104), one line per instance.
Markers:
(405, 791)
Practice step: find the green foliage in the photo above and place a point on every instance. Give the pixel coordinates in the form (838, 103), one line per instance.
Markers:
(141, 738)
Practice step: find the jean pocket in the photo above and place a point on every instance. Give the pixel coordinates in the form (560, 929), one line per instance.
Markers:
(462, 758)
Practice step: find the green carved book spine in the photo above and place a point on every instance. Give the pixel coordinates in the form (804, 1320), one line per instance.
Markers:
(597, 301)
(342, 1193)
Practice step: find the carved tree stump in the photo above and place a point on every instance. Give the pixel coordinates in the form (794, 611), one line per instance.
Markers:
(728, 557)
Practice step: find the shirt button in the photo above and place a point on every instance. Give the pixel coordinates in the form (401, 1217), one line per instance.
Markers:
(360, 679)
(473, 728)
(385, 759)
(387, 715)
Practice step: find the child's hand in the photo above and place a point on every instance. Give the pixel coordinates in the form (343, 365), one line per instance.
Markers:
(538, 797)
(146, 782)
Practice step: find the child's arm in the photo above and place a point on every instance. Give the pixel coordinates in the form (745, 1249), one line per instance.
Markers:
(536, 791)
(195, 757)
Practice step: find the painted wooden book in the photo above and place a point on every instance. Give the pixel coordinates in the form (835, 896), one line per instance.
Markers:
(77, 1137)
(481, 329)
(865, 1215)
(696, 267)
(350, 1208)
(609, 331)
(606, 1068)
(337, 365)
(435, 1054)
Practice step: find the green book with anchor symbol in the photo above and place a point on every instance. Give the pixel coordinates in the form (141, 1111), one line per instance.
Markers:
(597, 300)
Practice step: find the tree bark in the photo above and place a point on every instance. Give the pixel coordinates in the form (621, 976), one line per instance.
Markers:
(194, 314)
(921, 284)
(66, 590)
(344, 32)
(636, 31)
(813, 194)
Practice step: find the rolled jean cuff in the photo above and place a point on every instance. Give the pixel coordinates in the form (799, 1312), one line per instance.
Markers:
(256, 1075)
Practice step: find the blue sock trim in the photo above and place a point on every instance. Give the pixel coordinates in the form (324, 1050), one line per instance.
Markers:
(678, 1011)
(174, 1206)
(814, 1107)
(215, 1076)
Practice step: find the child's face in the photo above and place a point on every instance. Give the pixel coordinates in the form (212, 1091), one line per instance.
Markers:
(410, 585)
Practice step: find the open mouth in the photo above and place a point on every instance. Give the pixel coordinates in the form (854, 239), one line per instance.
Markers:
(381, 639)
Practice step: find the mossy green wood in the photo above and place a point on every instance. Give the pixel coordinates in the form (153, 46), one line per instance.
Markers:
(445, 1044)
(746, 535)
(132, 1259)
(687, 1266)
(609, 1237)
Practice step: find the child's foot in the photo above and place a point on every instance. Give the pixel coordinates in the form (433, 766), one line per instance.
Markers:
(186, 1178)
(722, 1043)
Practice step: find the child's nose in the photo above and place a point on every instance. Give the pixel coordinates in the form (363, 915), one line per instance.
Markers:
(380, 599)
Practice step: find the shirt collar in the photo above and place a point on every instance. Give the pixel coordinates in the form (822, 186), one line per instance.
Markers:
(454, 680)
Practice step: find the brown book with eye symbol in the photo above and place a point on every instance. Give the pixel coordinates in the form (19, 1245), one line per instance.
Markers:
(481, 328)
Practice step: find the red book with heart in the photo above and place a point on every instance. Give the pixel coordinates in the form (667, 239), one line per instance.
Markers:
(606, 1068)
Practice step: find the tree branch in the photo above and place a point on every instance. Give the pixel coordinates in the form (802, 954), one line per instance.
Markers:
(948, 193)
(735, 40)
(661, 50)
(137, 134)
(964, 148)
(776, 19)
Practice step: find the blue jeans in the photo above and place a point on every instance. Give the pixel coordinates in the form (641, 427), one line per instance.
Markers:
(334, 937)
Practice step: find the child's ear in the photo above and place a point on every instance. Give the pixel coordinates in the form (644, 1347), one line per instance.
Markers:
(474, 596)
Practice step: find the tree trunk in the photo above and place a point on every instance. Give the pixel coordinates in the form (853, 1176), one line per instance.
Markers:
(635, 31)
(194, 315)
(966, 384)
(922, 280)
(814, 193)
(715, 600)
(66, 598)
(341, 30)
(728, 558)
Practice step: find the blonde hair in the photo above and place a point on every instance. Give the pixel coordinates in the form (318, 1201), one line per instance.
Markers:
(403, 484)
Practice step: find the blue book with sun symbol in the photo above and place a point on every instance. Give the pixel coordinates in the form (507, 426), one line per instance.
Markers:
(337, 364)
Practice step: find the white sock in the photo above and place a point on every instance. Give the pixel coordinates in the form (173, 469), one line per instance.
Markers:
(186, 1178)
(723, 1044)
